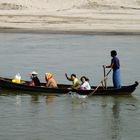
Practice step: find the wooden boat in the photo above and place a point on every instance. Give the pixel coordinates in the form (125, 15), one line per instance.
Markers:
(124, 90)
(6, 83)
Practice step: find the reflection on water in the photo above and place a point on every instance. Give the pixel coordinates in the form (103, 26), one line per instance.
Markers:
(115, 121)
(49, 99)
(112, 115)
(78, 103)
(34, 99)
(24, 115)
(98, 114)
(111, 118)
(18, 99)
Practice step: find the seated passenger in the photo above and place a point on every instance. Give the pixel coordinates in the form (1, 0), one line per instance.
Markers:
(34, 79)
(85, 83)
(74, 79)
(51, 83)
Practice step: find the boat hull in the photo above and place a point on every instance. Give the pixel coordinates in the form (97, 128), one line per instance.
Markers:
(6, 83)
(124, 90)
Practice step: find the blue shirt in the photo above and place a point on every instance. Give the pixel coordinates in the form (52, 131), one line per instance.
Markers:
(116, 63)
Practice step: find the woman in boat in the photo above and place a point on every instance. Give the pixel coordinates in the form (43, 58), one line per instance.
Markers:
(74, 79)
(85, 83)
(51, 83)
(115, 65)
(34, 79)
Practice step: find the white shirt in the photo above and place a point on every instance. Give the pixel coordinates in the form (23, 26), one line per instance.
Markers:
(85, 86)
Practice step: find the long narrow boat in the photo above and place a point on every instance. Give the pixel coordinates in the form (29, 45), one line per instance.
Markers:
(6, 83)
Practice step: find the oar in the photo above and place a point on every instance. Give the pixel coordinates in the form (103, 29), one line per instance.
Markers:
(100, 83)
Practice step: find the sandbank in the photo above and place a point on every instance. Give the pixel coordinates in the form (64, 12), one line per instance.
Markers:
(88, 19)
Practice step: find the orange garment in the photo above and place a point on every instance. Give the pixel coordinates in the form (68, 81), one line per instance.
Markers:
(49, 76)
(51, 83)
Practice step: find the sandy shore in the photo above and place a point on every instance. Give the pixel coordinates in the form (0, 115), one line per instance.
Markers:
(97, 20)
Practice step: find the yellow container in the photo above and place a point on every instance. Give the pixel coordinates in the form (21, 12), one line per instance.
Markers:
(16, 81)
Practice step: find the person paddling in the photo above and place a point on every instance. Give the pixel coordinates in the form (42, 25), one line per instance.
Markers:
(115, 65)
(74, 79)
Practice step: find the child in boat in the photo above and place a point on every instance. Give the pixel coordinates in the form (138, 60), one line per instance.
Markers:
(34, 79)
(85, 83)
(74, 79)
(115, 65)
(51, 83)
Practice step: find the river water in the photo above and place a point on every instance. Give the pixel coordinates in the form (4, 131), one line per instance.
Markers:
(40, 117)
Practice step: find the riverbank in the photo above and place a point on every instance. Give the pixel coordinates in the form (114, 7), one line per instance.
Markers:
(87, 19)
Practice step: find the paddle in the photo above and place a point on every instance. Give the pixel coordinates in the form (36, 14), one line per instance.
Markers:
(100, 83)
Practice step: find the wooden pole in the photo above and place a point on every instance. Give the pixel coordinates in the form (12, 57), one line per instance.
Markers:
(100, 83)
(105, 79)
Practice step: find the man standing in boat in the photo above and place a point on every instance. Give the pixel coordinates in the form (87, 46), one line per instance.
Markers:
(115, 65)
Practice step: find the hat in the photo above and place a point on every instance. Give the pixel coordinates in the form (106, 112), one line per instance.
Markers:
(34, 73)
(48, 75)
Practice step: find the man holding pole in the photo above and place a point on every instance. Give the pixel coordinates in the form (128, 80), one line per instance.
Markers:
(115, 65)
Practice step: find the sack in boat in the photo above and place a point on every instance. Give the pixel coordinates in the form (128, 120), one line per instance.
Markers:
(17, 78)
